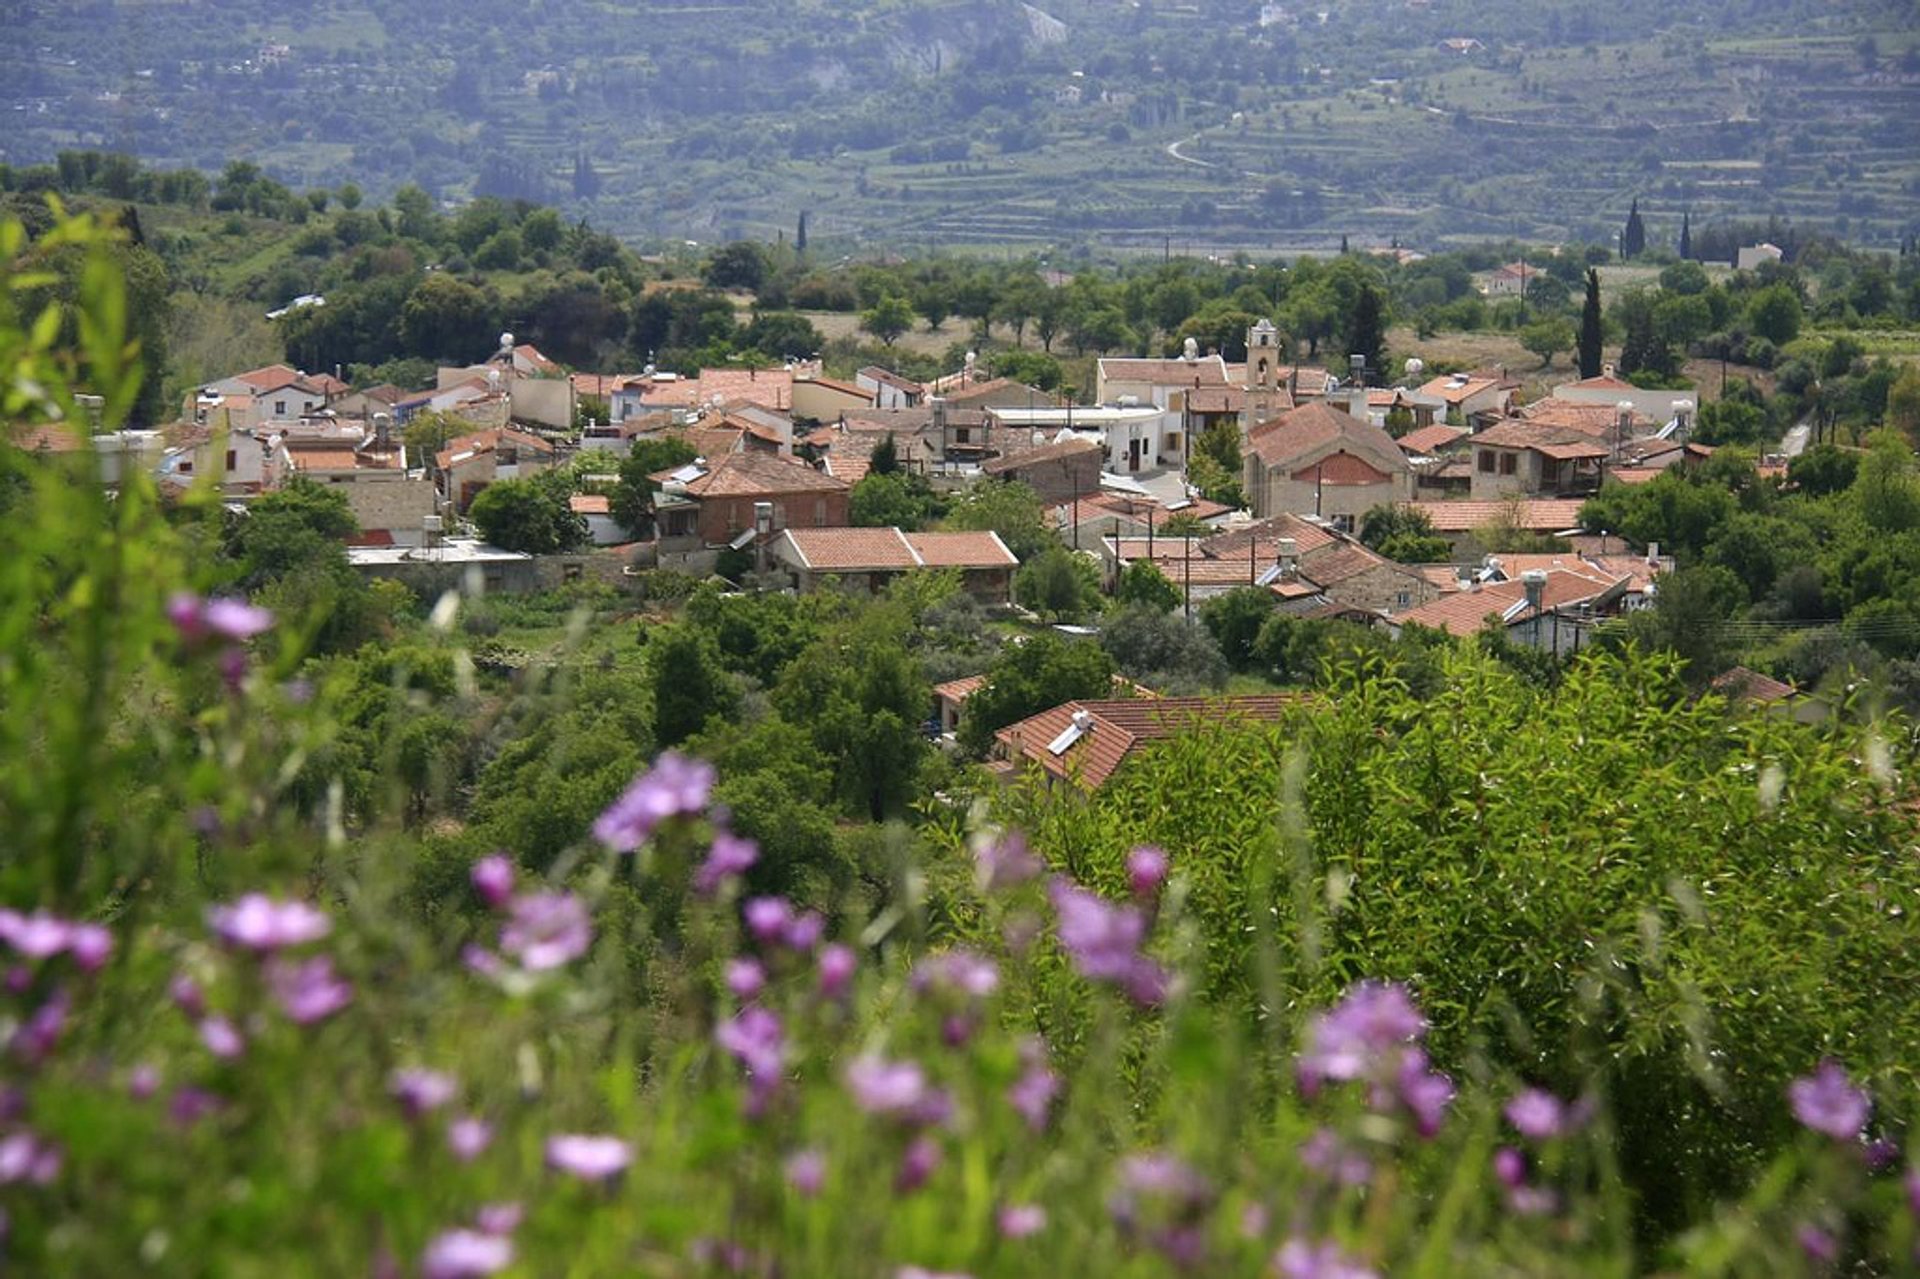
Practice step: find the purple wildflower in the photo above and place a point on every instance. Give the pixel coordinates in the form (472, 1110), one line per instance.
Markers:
(309, 990)
(728, 859)
(90, 945)
(1818, 1244)
(24, 1157)
(36, 1037)
(500, 1218)
(804, 931)
(675, 785)
(466, 1254)
(757, 1041)
(222, 1038)
(1032, 1094)
(143, 1081)
(1166, 1199)
(1005, 861)
(1103, 940)
(1538, 1115)
(1298, 1259)
(233, 668)
(1361, 1036)
(1326, 1154)
(1161, 1174)
(1827, 1102)
(882, 1087)
(37, 936)
(746, 977)
(588, 1157)
(1510, 1166)
(185, 993)
(419, 1091)
(767, 918)
(468, 1137)
(235, 620)
(1532, 1201)
(837, 963)
(261, 923)
(546, 930)
(806, 1171)
(1021, 1221)
(962, 972)
(493, 879)
(1425, 1093)
(917, 1164)
(1146, 871)
(189, 1105)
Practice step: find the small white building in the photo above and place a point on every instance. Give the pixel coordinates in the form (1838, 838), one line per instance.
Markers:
(1137, 437)
(1750, 257)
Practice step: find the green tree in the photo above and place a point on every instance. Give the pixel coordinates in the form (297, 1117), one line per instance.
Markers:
(884, 459)
(781, 335)
(1235, 619)
(1903, 405)
(1009, 508)
(501, 252)
(542, 231)
(1823, 469)
(689, 685)
(1593, 328)
(1643, 351)
(631, 503)
(1027, 679)
(861, 696)
(1888, 486)
(743, 264)
(1633, 238)
(299, 527)
(530, 515)
(1367, 329)
(887, 319)
(1163, 652)
(1058, 584)
(427, 432)
(1547, 338)
(415, 214)
(883, 500)
(1774, 313)
(447, 319)
(1145, 586)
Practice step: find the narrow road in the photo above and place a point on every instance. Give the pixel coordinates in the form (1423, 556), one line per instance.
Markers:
(1796, 439)
(1173, 149)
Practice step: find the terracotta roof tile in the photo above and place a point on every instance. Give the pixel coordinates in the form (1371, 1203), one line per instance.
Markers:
(1121, 726)
(752, 474)
(1541, 515)
(962, 550)
(1429, 440)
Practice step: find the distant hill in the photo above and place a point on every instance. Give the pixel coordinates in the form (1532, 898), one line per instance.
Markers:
(913, 122)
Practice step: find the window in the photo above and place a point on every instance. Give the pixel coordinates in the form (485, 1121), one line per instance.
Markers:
(962, 434)
(1403, 599)
(279, 408)
(1344, 523)
(1507, 463)
(233, 459)
(819, 512)
(1486, 461)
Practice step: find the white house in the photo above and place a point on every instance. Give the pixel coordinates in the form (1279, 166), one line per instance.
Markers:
(1139, 437)
(1750, 257)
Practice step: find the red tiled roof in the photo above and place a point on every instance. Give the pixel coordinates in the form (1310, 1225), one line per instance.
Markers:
(487, 441)
(1208, 370)
(1291, 436)
(756, 474)
(1546, 515)
(1743, 684)
(850, 469)
(1120, 726)
(590, 504)
(962, 550)
(1059, 451)
(1429, 440)
(1458, 391)
(851, 549)
(959, 690)
(270, 378)
(1593, 420)
(1465, 612)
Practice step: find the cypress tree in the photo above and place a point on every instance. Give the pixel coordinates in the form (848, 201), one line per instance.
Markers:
(1592, 331)
(1343, 244)
(800, 235)
(1633, 240)
(1686, 236)
(1367, 333)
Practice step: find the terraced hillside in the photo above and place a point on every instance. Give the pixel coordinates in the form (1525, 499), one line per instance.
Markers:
(1212, 124)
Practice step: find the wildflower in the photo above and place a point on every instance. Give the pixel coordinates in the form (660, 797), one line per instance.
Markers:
(143, 1081)
(882, 1087)
(546, 930)
(228, 619)
(1146, 870)
(185, 993)
(499, 1219)
(675, 785)
(1005, 861)
(1326, 1154)
(836, 965)
(1827, 1102)
(309, 990)
(24, 1157)
(917, 1164)
(1538, 1115)
(961, 972)
(35, 1039)
(466, 1254)
(1021, 1221)
(90, 944)
(1510, 1166)
(1818, 1244)
(419, 1091)
(767, 918)
(493, 880)
(1103, 941)
(233, 668)
(1032, 1094)
(189, 1105)
(746, 977)
(222, 1038)
(468, 1137)
(588, 1157)
(1298, 1259)
(37, 936)
(1166, 1200)
(921, 1272)
(806, 1171)
(804, 931)
(728, 859)
(1425, 1093)
(1354, 1038)
(757, 1041)
(261, 923)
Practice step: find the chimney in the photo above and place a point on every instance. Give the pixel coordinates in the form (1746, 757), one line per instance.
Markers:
(1653, 552)
(1606, 370)
(383, 431)
(1535, 581)
(1286, 556)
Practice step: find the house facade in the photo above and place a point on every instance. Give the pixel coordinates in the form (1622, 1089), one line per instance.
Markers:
(1318, 460)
